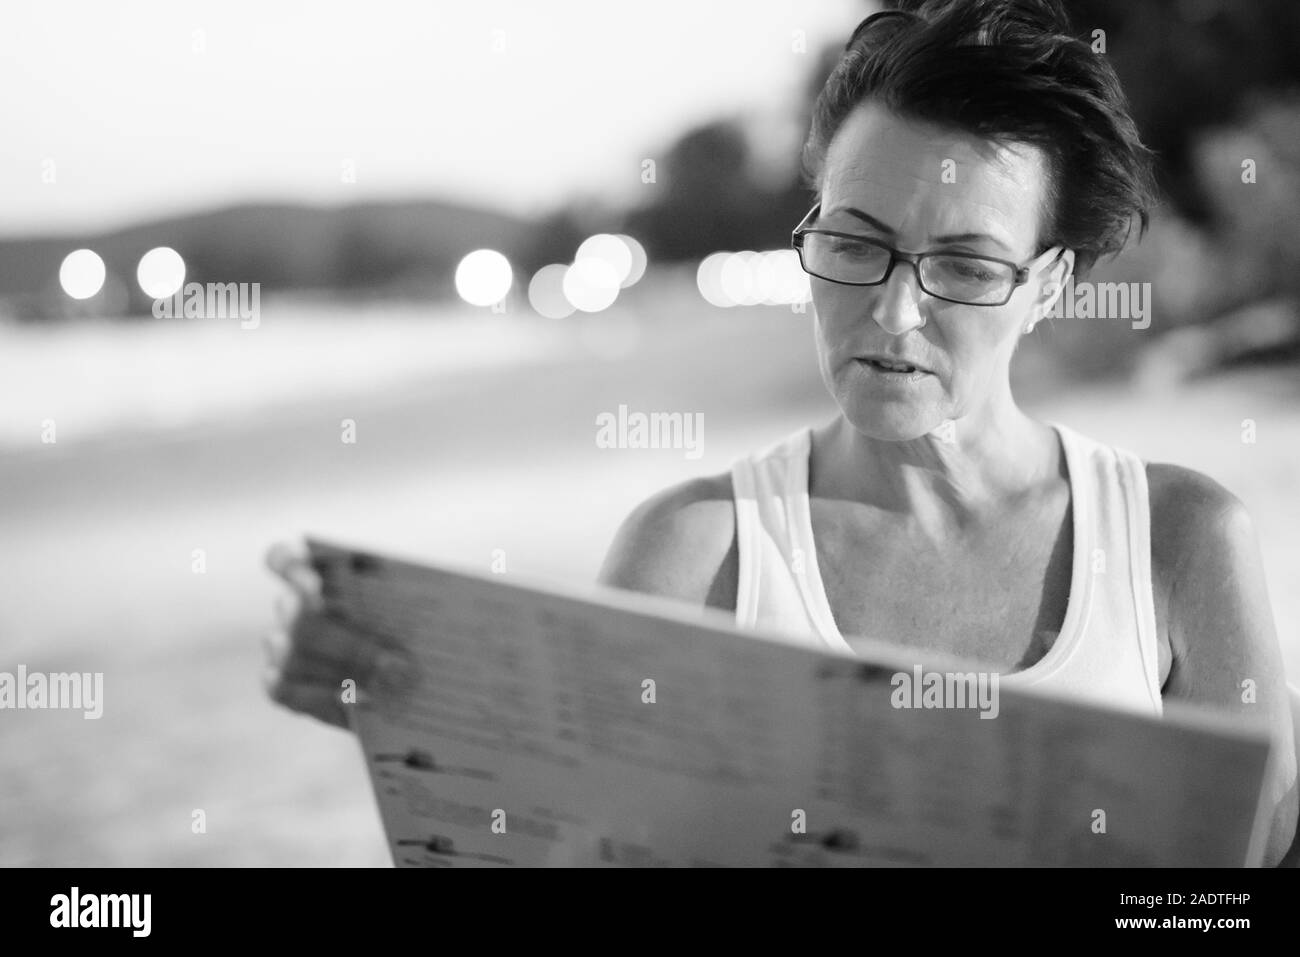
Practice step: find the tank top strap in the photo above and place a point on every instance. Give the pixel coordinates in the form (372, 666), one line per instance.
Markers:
(779, 586)
(1114, 502)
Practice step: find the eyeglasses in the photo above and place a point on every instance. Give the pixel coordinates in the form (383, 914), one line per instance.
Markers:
(853, 260)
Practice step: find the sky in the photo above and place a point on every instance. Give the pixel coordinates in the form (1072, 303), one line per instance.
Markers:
(122, 111)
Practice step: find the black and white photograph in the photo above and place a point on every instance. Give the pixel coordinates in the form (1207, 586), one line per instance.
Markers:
(566, 434)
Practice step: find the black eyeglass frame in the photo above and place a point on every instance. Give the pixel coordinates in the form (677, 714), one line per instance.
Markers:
(1020, 277)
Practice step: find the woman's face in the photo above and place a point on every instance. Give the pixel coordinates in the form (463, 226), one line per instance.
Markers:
(926, 188)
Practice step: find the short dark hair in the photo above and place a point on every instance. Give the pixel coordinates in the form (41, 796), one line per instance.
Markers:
(1010, 72)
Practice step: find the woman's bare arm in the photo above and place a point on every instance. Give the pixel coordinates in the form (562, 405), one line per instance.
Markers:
(1222, 636)
(679, 544)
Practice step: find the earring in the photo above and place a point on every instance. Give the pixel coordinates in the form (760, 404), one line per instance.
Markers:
(1029, 327)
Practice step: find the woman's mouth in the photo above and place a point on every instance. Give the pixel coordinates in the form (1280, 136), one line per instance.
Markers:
(890, 369)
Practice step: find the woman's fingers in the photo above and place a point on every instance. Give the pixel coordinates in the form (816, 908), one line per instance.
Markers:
(315, 685)
(275, 646)
(287, 608)
(290, 563)
(320, 644)
(321, 701)
(316, 648)
(281, 555)
(311, 656)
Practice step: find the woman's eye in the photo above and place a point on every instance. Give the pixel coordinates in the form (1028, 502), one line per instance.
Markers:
(853, 248)
(967, 269)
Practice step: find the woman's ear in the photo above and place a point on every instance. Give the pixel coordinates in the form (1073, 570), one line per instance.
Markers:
(1056, 277)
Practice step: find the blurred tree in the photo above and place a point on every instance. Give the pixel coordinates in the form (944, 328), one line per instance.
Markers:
(553, 239)
(1188, 65)
(704, 197)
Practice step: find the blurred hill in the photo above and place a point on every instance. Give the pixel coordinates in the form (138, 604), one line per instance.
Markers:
(410, 244)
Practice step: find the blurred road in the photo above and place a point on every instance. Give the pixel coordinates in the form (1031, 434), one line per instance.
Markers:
(97, 533)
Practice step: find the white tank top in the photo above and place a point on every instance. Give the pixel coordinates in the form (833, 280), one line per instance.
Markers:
(1106, 649)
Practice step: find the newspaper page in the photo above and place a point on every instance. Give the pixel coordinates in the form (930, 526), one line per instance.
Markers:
(548, 727)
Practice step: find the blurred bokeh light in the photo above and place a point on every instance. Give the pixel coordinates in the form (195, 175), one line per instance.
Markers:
(483, 277)
(161, 272)
(82, 273)
(637, 269)
(608, 249)
(546, 292)
(591, 284)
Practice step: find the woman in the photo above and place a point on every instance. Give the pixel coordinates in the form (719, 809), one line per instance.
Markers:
(967, 159)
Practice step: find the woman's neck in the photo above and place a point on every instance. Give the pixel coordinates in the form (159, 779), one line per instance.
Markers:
(964, 472)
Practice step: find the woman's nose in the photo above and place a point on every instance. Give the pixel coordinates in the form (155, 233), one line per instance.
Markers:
(897, 309)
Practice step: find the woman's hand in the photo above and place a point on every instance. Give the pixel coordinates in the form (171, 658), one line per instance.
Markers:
(311, 655)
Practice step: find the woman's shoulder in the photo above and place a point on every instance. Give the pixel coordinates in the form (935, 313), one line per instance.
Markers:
(1185, 506)
(679, 543)
(1202, 541)
(1188, 508)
